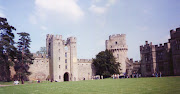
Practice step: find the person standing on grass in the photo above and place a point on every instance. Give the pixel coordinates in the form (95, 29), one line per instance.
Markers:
(160, 74)
(113, 76)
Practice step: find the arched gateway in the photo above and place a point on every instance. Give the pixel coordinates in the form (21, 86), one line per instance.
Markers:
(66, 76)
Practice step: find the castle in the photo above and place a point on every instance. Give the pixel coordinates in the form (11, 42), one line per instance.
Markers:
(61, 63)
(163, 58)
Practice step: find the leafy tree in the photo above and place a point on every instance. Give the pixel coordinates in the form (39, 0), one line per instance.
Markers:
(7, 48)
(105, 64)
(42, 50)
(24, 57)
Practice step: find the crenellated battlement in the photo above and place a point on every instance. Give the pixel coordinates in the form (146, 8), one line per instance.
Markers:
(162, 46)
(173, 31)
(175, 34)
(117, 36)
(71, 39)
(84, 60)
(53, 37)
(35, 55)
(147, 46)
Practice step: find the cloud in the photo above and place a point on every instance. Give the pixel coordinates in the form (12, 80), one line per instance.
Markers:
(43, 28)
(97, 10)
(101, 9)
(110, 2)
(68, 9)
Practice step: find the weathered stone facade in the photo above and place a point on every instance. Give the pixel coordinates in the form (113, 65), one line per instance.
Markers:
(175, 46)
(132, 67)
(155, 59)
(63, 65)
(40, 67)
(85, 69)
(117, 44)
(163, 58)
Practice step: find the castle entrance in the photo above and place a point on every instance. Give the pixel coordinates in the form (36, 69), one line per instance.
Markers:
(66, 77)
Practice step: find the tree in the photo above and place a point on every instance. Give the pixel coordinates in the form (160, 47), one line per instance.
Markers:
(7, 48)
(105, 64)
(42, 50)
(24, 57)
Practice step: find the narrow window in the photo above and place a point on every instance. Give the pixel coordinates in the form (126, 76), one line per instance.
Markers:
(59, 50)
(66, 67)
(116, 42)
(59, 66)
(59, 77)
(65, 60)
(59, 58)
(65, 54)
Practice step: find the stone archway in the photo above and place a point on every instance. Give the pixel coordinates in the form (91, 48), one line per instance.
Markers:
(66, 76)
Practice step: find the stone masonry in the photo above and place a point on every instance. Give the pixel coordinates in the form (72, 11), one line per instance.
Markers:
(117, 44)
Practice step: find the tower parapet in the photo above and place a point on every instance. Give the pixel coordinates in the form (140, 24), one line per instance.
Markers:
(175, 34)
(84, 60)
(71, 40)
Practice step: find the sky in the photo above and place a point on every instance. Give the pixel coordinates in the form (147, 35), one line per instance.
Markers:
(92, 21)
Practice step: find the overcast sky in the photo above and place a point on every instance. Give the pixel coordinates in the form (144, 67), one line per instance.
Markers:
(92, 21)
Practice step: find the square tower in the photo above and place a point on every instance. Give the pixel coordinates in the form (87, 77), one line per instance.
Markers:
(62, 58)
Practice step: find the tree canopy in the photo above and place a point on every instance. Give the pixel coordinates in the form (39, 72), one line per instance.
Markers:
(41, 51)
(24, 57)
(7, 48)
(105, 64)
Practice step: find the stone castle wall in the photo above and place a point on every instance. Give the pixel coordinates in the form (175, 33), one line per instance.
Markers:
(175, 46)
(85, 69)
(39, 68)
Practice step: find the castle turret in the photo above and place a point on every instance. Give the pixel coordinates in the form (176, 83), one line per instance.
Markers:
(117, 44)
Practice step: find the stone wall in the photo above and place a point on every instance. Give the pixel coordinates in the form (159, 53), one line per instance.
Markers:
(39, 68)
(85, 69)
(175, 45)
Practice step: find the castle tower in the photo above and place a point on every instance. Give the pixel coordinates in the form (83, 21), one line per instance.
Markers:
(117, 44)
(148, 59)
(62, 58)
(71, 44)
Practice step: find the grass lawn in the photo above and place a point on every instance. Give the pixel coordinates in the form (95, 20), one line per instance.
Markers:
(164, 85)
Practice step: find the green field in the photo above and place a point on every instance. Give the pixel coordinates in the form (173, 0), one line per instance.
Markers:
(164, 85)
